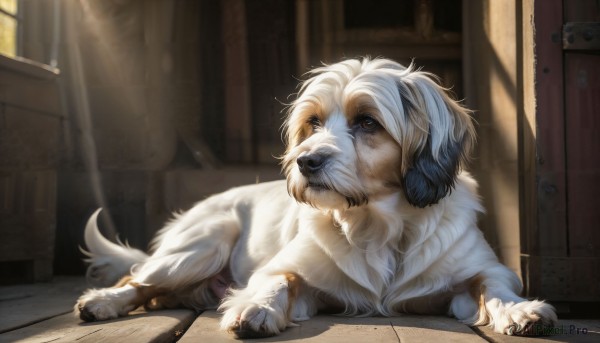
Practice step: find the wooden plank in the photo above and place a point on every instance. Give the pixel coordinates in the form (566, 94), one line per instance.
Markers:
(545, 233)
(18, 89)
(28, 67)
(491, 66)
(432, 329)
(564, 278)
(579, 331)
(271, 58)
(592, 324)
(28, 140)
(319, 329)
(582, 121)
(238, 116)
(211, 79)
(21, 305)
(424, 19)
(526, 106)
(582, 10)
(140, 326)
(549, 238)
(343, 329)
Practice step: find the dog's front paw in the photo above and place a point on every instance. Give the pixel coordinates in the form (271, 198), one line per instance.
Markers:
(527, 318)
(102, 304)
(261, 309)
(253, 321)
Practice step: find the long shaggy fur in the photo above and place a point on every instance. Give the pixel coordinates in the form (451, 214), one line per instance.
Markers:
(375, 217)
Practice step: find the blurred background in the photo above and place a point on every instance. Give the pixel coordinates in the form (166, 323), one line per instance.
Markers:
(144, 107)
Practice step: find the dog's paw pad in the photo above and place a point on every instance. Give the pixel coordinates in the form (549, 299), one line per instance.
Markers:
(243, 330)
(104, 304)
(253, 321)
(90, 312)
(85, 314)
(532, 328)
(529, 318)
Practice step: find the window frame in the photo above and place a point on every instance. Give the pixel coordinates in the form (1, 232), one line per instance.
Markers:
(18, 27)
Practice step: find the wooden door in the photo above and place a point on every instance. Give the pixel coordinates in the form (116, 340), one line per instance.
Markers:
(581, 44)
(562, 254)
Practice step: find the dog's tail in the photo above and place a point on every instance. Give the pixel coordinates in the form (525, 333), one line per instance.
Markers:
(109, 261)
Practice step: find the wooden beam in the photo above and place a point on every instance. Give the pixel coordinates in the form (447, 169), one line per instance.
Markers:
(238, 116)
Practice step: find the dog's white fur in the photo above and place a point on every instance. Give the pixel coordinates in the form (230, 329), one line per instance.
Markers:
(386, 224)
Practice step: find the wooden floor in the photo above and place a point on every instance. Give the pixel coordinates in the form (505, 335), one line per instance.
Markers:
(43, 313)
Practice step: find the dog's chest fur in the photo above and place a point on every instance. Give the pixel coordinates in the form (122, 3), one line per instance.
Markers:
(363, 244)
(381, 250)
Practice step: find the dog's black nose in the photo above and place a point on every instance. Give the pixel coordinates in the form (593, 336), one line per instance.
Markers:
(310, 163)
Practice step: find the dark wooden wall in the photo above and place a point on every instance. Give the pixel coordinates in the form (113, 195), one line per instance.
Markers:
(29, 160)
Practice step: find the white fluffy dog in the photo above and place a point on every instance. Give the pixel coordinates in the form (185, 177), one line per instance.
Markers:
(377, 219)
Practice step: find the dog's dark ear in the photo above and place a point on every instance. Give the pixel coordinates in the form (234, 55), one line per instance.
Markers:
(430, 179)
(441, 134)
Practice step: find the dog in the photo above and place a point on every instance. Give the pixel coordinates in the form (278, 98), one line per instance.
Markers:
(377, 216)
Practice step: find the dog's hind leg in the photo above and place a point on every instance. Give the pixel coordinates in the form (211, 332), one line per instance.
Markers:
(183, 264)
(112, 302)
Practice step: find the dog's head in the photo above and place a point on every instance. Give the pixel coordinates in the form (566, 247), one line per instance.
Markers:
(361, 129)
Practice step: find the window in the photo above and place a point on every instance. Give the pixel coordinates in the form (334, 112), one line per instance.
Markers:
(9, 22)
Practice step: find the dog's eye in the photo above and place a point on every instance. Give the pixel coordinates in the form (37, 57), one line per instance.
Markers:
(366, 123)
(314, 122)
